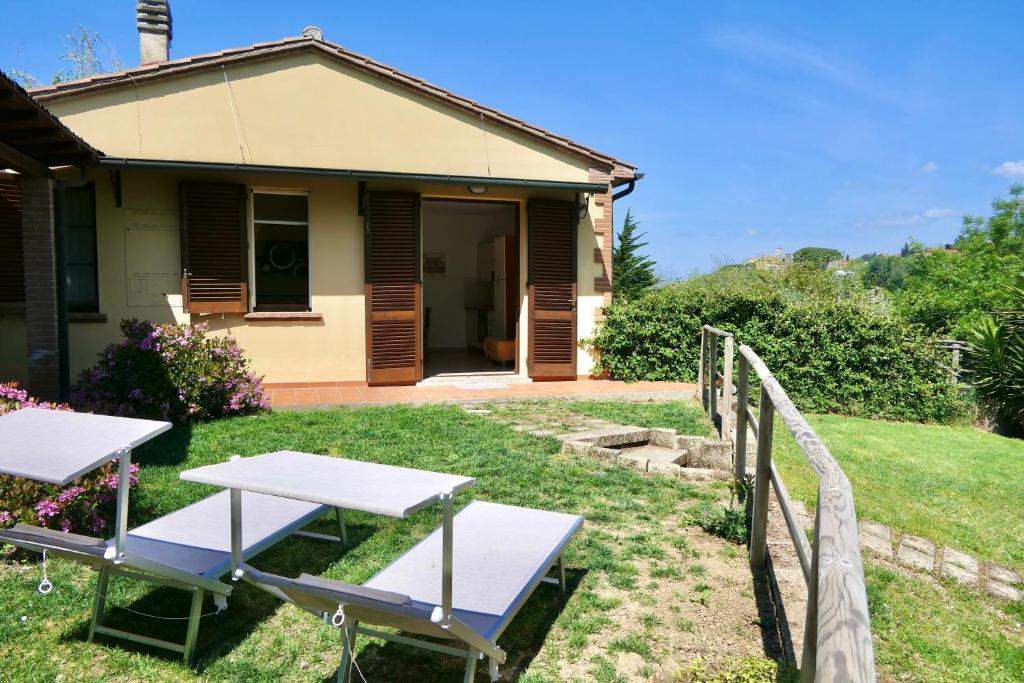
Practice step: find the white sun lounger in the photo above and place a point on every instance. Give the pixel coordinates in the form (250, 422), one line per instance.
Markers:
(501, 554)
(188, 549)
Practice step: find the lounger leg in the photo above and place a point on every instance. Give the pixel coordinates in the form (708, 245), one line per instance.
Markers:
(471, 658)
(341, 526)
(99, 603)
(561, 575)
(348, 644)
(194, 617)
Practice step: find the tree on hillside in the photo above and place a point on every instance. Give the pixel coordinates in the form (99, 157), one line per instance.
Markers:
(632, 272)
(946, 289)
(88, 53)
(817, 256)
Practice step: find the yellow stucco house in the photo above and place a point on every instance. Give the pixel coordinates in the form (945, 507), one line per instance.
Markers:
(346, 222)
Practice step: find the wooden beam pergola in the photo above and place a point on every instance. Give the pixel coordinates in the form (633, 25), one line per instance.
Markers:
(32, 140)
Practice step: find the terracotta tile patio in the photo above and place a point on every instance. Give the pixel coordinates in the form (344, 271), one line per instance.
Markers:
(320, 396)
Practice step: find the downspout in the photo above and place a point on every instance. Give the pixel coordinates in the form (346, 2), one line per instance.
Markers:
(629, 188)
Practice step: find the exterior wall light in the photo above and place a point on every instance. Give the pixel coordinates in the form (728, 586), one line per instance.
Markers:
(476, 189)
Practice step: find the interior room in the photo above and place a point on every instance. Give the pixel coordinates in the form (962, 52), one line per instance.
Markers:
(470, 292)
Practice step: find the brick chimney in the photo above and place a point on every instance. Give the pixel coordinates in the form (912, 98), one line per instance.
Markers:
(153, 18)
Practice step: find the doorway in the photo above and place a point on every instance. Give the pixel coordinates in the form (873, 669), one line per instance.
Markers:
(470, 271)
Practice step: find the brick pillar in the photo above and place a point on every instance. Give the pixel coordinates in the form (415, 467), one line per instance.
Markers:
(603, 223)
(41, 316)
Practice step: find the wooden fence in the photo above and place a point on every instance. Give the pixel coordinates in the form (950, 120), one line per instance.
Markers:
(955, 348)
(716, 386)
(837, 632)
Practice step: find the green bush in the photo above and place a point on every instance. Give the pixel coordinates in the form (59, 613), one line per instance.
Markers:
(732, 670)
(83, 506)
(830, 346)
(994, 361)
(726, 522)
(170, 372)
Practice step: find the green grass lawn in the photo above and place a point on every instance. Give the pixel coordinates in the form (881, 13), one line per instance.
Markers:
(636, 556)
(954, 485)
(942, 632)
(259, 639)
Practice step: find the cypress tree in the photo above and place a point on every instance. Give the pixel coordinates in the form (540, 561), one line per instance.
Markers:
(632, 272)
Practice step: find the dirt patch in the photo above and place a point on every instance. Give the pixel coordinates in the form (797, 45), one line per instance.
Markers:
(693, 596)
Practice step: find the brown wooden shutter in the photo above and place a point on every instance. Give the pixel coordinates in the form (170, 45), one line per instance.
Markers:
(12, 264)
(392, 243)
(551, 239)
(214, 248)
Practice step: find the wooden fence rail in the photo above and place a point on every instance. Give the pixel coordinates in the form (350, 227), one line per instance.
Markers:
(837, 632)
(719, 407)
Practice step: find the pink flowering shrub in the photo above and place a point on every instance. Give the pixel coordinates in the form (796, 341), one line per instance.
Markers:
(170, 372)
(85, 506)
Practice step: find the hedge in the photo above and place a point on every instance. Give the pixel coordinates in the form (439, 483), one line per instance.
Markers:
(836, 354)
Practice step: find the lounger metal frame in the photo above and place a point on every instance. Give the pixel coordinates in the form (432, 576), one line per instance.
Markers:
(477, 649)
(162, 575)
(140, 568)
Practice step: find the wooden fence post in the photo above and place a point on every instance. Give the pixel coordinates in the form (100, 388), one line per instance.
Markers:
(762, 483)
(700, 369)
(713, 374)
(809, 659)
(727, 389)
(740, 449)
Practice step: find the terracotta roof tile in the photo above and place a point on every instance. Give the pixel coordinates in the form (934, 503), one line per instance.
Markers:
(620, 169)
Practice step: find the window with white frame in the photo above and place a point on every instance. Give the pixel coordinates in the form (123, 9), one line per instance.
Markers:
(280, 242)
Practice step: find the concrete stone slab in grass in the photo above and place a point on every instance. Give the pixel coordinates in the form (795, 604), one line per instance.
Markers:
(877, 537)
(578, 447)
(637, 462)
(959, 566)
(665, 438)
(604, 453)
(614, 436)
(664, 468)
(917, 552)
(711, 454)
(702, 474)
(1004, 583)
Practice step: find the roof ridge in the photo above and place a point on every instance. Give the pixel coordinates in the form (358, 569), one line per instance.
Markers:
(620, 169)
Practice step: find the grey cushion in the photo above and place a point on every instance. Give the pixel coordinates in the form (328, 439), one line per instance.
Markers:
(197, 538)
(316, 593)
(21, 534)
(499, 554)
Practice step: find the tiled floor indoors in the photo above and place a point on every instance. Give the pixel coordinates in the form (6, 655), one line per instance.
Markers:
(295, 397)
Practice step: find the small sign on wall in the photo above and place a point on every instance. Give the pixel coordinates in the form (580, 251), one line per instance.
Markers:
(152, 247)
(435, 263)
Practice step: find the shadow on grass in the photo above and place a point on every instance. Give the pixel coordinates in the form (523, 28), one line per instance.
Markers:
(170, 448)
(776, 637)
(218, 633)
(522, 640)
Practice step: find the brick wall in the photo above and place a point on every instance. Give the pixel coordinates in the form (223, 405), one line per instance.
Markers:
(39, 248)
(602, 221)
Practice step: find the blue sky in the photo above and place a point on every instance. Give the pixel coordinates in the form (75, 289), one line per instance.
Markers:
(758, 124)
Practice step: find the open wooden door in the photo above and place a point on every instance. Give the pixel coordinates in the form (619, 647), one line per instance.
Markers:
(551, 240)
(393, 288)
